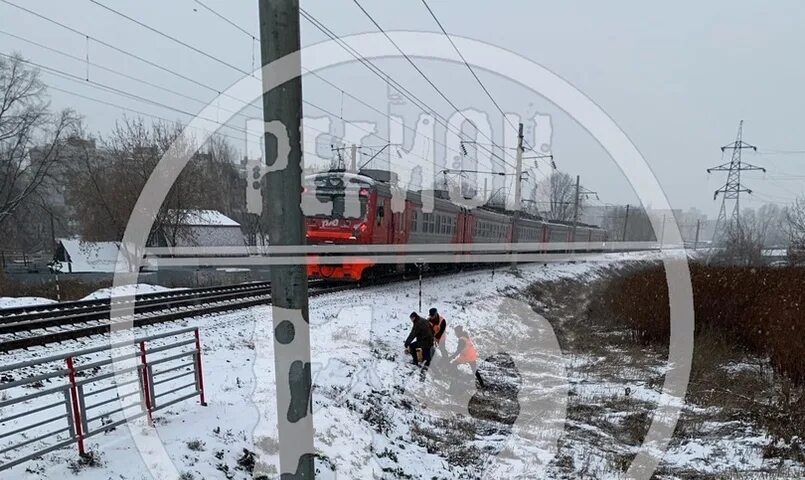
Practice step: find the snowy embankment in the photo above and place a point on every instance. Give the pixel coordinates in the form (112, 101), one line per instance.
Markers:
(374, 417)
(127, 291)
(16, 302)
(110, 292)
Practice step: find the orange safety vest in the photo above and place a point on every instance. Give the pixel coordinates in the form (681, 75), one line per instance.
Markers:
(436, 328)
(469, 354)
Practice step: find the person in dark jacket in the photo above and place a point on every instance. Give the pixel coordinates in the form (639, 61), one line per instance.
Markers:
(421, 336)
(439, 325)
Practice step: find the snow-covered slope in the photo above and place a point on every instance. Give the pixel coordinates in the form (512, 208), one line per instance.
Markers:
(14, 302)
(126, 291)
(374, 415)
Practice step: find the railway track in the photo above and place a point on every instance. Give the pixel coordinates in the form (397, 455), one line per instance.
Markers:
(24, 327)
(42, 325)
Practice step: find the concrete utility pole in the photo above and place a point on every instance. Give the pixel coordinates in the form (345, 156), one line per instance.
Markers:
(576, 208)
(282, 113)
(517, 191)
(625, 223)
(353, 165)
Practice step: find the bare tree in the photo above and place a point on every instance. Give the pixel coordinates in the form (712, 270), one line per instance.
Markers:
(557, 195)
(742, 245)
(637, 222)
(106, 182)
(795, 228)
(26, 122)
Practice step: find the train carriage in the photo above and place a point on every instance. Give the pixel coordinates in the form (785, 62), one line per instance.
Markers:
(343, 208)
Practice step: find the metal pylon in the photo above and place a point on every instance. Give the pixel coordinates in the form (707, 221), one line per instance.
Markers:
(732, 189)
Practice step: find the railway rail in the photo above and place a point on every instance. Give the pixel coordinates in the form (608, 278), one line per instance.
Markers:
(34, 326)
(24, 327)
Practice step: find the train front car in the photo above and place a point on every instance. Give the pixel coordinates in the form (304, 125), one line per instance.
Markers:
(339, 208)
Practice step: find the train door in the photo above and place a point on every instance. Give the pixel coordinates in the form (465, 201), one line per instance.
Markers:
(398, 223)
(469, 227)
(384, 232)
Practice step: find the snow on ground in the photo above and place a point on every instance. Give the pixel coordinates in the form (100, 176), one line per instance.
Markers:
(126, 291)
(373, 416)
(14, 302)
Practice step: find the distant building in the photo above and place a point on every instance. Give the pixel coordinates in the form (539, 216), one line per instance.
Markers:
(205, 228)
(77, 256)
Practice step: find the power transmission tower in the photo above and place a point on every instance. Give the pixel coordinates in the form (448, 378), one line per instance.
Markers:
(282, 113)
(733, 188)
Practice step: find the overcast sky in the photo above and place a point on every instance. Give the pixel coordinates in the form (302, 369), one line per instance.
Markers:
(676, 78)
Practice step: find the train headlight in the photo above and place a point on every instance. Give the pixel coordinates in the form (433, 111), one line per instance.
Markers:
(359, 230)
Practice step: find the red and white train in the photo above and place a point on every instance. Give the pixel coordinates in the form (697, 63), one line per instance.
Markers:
(345, 208)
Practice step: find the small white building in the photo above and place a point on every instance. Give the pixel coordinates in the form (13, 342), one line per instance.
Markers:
(208, 228)
(77, 256)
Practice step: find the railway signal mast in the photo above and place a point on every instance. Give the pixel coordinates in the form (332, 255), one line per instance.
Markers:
(733, 188)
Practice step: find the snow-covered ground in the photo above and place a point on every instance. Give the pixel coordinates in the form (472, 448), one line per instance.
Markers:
(14, 302)
(374, 417)
(126, 291)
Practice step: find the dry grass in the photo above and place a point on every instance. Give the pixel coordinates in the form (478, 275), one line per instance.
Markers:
(70, 289)
(758, 310)
(735, 390)
(748, 346)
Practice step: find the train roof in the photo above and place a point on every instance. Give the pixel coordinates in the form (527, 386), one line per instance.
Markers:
(380, 180)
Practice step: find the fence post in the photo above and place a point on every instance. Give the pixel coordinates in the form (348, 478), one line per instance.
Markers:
(146, 389)
(79, 428)
(199, 371)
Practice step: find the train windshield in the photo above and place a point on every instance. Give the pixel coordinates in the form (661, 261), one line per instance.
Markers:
(323, 204)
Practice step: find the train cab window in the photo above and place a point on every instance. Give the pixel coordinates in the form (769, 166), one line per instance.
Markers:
(380, 214)
(334, 204)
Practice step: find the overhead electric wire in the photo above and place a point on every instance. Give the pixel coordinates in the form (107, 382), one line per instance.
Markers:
(374, 68)
(169, 37)
(472, 71)
(424, 107)
(115, 48)
(114, 72)
(129, 109)
(222, 17)
(117, 91)
(182, 43)
(364, 61)
(419, 70)
(328, 82)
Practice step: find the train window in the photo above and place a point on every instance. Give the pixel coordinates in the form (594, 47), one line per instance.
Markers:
(414, 218)
(323, 204)
(427, 223)
(380, 214)
(439, 226)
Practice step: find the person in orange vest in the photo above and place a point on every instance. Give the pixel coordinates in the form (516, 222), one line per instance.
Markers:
(466, 353)
(439, 325)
